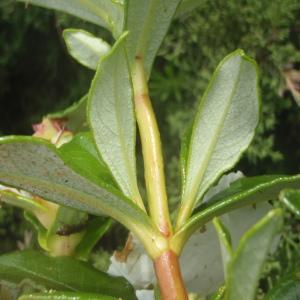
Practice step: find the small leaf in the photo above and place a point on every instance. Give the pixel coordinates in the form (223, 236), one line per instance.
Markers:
(85, 47)
(66, 296)
(111, 116)
(74, 116)
(246, 265)
(37, 166)
(95, 229)
(291, 199)
(243, 192)
(223, 127)
(106, 13)
(148, 22)
(287, 288)
(61, 274)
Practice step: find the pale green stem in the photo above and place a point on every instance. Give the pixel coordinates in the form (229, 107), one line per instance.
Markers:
(152, 154)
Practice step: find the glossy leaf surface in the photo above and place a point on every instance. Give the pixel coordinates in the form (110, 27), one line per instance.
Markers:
(38, 167)
(291, 199)
(245, 267)
(243, 192)
(111, 116)
(66, 296)
(106, 13)
(85, 47)
(147, 22)
(61, 273)
(224, 125)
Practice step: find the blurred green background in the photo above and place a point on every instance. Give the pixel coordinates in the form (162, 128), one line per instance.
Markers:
(37, 76)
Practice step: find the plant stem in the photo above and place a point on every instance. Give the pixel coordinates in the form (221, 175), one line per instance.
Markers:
(169, 277)
(152, 154)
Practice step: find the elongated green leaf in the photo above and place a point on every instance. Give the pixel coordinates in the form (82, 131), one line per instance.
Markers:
(85, 47)
(148, 22)
(288, 287)
(75, 116)
(66, 296)
(291, 199)
(225, 242)
(61, 274)
(81, 154)
(243, 192)
(111, 116)
(95, 229)
(223, 127)
(106, 13)
(37, 166)
(219, 294)
(247, 262)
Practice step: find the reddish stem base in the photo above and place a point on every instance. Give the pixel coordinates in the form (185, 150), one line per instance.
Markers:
(169, 277)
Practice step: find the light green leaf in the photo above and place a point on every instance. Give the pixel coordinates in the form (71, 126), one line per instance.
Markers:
(246, 265)
(37, 166)
(242, 192)
(74, 115)
(291, 199)
(223, 127)
(85, 47)
(66, 296)
(148, 22)
(225, 242)
(111, 117)
(106, 13)
(61, 274)
(287, 288)
(95, 229)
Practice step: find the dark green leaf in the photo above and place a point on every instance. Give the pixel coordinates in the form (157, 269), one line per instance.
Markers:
(187, 6)
(85, 47)
(147, 22)
(61, 274)
(246, 265)
(37, 166)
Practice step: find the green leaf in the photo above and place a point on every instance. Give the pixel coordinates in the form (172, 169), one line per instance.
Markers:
(95, 229)
(37, 166)
(111, 117)
(61, 274)
(148, 22)
(85, 47)
(81, 154)
(225, 242)
(223, 127)
(219, 294)
(106, 13)
(242, 192)
(66, 296)
(246, 265)
(287, 288)
(75, 116)
(291, 199)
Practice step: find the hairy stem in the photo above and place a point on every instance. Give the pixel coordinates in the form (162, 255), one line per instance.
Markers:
(169, 277)
(152, 154)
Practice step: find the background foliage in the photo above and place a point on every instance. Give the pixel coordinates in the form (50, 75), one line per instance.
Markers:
(37, 77)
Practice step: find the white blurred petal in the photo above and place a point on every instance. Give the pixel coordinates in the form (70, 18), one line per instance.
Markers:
(145, 294)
